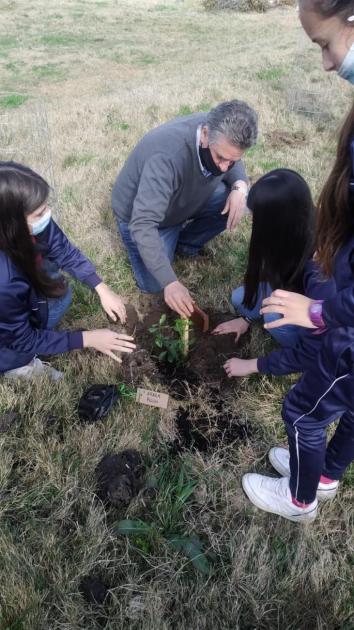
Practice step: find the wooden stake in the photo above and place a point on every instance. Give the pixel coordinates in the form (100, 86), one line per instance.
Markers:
(185, 337)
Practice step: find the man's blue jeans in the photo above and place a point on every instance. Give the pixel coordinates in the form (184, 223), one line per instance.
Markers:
(286, 336)
(188, 238)
(57, 307)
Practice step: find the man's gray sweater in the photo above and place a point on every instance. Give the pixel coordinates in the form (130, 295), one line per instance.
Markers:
(161, 184)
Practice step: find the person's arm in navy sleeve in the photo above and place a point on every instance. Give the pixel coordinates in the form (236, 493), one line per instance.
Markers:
(69, 258)
(17, 333)
(296, 359)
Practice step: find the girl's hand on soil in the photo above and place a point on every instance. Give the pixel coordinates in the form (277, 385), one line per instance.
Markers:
(235, 205)
(293, 306)
(238, 326)
(178, 298)
(240, 367)
(108, 342)
(111, 303)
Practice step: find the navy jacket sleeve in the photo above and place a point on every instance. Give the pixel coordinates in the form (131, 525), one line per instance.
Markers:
(68, 257)
(339, 311)
(16, 331)
(296, 359)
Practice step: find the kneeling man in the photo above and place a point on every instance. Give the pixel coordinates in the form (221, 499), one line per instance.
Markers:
(183, 184)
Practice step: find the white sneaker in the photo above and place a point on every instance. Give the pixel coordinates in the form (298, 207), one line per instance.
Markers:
(280, 457)
(34, 368)
(273, 495)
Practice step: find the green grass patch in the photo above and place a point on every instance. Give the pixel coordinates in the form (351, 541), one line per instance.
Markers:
(186, 110)
(269, 165)
(49, 71)
(145, 59)
(272, 73)
(77, 160)
(7, 42)
(114, 121)
(11, 101)
(64, 40)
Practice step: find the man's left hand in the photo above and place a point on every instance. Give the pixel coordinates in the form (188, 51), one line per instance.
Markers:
(234, 207)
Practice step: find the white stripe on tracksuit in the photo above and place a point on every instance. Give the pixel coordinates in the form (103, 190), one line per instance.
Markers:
(300, 418)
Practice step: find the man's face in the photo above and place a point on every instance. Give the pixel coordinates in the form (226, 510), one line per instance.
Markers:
(332, 35)
(224, 153)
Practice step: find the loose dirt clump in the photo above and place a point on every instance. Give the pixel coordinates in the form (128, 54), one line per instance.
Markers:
(8, 419)
(120, 476)
(93, 590)
(205, 429)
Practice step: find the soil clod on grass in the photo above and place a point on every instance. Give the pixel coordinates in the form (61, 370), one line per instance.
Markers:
(93, 590)
(204, 430)
(7, 420)
(120, 476)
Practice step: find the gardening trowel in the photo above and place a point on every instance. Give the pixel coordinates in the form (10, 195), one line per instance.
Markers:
(200, 319)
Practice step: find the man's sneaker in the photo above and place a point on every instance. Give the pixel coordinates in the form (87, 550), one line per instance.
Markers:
(273, 495)
(34, 368)
(280, 459)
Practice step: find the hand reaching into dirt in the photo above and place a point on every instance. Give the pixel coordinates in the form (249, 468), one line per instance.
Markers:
(111, 303)
(240, 367)
(178, 298)
(293, 306)
(108, 342)
(238, 326)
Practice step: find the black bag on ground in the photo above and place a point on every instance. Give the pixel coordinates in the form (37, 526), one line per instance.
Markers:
(97, 401)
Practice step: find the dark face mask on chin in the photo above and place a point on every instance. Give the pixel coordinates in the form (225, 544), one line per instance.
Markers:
(208, 162)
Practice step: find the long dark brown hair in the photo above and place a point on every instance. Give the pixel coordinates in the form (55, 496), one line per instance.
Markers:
(328, 8)
(335, 218)
(22, 191)
(282, 239)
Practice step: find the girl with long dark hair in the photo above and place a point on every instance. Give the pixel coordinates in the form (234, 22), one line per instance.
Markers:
(34, 294)
(280, 255)
(311, 470)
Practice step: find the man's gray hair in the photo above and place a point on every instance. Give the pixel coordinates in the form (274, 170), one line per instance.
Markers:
(236, 121)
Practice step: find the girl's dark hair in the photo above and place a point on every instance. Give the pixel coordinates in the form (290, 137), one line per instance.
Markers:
(329, 8)
(282, 238)
(335, 219)
(22, 191)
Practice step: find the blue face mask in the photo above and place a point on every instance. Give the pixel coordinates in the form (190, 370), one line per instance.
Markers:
(39, 226)
(346, 71)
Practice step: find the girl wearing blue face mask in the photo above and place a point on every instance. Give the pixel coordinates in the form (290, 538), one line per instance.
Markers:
(311, 470)
(34, 294)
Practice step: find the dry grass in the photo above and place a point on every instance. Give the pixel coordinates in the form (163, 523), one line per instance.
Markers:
(108, 71)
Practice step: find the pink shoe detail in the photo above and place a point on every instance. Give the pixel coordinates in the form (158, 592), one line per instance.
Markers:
(299, 503)
(324, 479)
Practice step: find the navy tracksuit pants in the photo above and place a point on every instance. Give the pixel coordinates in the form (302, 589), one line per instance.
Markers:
(323, 394)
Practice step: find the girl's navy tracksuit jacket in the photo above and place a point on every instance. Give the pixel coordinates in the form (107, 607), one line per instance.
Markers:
(24, 314)
(324, 393)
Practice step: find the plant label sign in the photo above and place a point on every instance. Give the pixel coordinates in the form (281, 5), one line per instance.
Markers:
(151, 398)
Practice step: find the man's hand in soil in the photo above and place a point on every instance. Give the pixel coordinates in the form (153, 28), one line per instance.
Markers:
(240, 367)
(178, 298)
(235, 205)
(238, 326)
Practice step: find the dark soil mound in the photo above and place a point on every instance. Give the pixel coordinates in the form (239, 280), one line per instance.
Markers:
(204, 431)
(204, 364)
(93, 590)
(120, 476)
